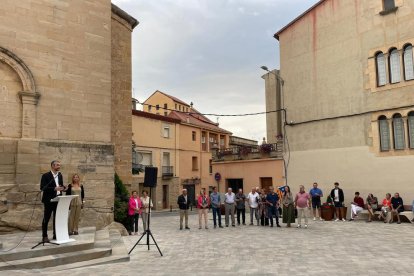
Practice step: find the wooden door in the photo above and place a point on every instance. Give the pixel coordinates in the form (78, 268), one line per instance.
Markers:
(165, 196)
(265, 183)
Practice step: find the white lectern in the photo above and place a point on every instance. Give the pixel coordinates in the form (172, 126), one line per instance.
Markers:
(61, 221)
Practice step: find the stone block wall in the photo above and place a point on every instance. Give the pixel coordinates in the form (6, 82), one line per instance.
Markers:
(31, 158)
(65, 91)
(121, 85)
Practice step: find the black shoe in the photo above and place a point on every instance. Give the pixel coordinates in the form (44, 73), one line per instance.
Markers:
(233, 225)
(271, 225)
(181, 228)
(278, 225)
(227, 225)
(187, 227)
(221, 226)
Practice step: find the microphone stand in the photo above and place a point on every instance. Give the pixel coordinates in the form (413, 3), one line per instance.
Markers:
(42, 190)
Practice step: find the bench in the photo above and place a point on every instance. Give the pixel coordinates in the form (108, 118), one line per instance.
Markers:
(405, 216)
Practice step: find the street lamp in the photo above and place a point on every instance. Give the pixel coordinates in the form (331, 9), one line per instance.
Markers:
(280, 107)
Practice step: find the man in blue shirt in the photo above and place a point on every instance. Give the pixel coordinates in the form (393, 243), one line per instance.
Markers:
(272, 200)
(215, 201)
(316, 195)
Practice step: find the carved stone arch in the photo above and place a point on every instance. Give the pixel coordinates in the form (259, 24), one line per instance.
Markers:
(20, 67)
(29, 96)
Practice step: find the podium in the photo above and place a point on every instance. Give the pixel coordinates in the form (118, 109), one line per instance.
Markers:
(61, 220)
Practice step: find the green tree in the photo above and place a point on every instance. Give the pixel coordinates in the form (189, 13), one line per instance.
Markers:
(121, 202)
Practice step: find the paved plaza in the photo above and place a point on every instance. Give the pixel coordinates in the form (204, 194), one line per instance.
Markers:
(333, 248)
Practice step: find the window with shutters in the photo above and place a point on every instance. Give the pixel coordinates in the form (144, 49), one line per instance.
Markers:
(166, 132)
(194, 163)
(394, 63)
(381, 69)
(142, 159)
(408, 62)
(388, 5)
(384, 133)
(398, 131)
(410, 122)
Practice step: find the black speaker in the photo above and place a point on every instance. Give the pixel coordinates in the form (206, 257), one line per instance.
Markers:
(150, 179)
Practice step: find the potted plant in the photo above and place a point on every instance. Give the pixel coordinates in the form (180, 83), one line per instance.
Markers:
(243, 151)
(266, 148)
(327, 209)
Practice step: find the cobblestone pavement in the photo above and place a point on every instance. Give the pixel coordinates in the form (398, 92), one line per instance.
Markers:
(335, 248)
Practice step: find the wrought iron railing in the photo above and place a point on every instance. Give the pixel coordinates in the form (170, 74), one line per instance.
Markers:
(250, 152)
(167, 171)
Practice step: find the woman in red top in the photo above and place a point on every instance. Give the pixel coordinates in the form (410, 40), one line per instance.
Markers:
(202, 204)
(386, 208)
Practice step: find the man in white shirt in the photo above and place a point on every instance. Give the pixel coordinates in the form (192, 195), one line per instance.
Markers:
(229, 199)
(253, 201)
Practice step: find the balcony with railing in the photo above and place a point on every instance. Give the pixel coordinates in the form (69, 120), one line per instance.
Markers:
(167, 171)
(249, 152)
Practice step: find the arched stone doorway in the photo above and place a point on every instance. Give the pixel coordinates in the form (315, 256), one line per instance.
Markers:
(21, 118)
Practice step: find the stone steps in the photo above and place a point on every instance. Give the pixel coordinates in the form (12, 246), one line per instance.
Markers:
(91, 248)
(55, 260)
(85, 241)
(119, 254)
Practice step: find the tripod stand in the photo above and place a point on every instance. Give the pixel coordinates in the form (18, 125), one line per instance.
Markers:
(43, 243)
(147, 232)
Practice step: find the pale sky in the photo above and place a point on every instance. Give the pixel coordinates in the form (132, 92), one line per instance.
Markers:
(209, 52)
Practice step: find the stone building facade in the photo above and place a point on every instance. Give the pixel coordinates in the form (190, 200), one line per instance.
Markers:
(348, 90)
(65, 69)
(274, 102)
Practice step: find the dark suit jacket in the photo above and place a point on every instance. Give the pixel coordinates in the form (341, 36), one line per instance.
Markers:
(340, 193)
(182, 204)
(48, 185)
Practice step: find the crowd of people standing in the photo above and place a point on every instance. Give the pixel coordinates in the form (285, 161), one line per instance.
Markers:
(267, 207)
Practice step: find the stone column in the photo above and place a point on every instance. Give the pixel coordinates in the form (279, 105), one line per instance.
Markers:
(29, 101)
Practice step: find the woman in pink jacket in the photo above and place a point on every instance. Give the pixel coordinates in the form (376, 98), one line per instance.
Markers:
(134, 209)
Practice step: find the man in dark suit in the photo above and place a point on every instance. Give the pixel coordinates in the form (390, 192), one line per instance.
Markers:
(184, 205)
(51, 185)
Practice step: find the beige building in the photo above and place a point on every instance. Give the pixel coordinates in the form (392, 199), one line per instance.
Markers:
(348, 89)
(65, 93)
(180, 142)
